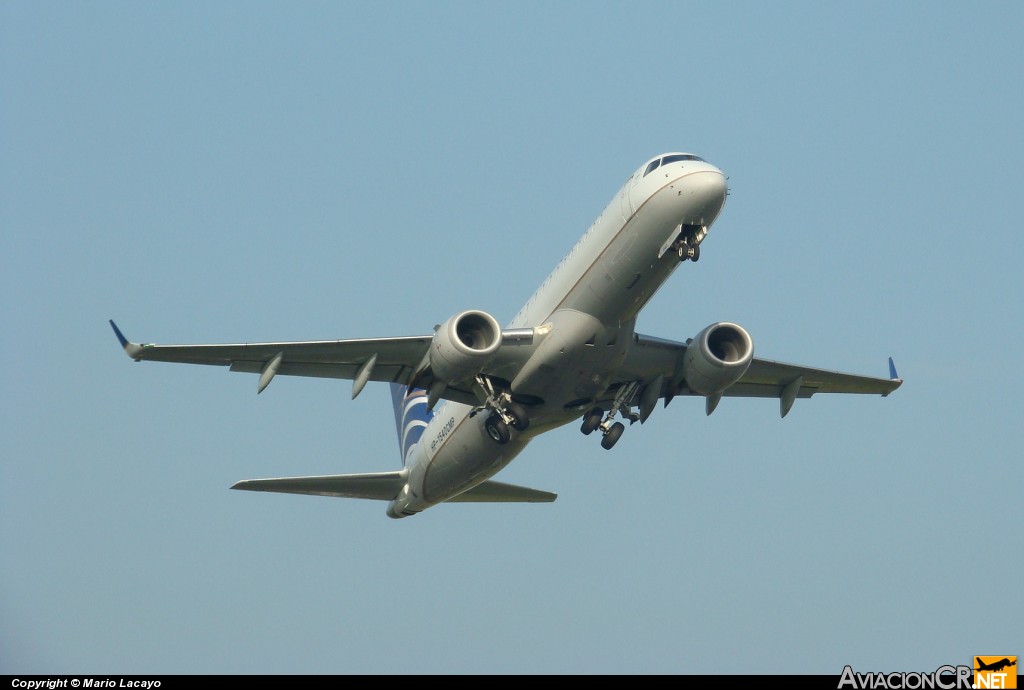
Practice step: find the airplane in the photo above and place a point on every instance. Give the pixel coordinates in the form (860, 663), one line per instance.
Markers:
(995, 666)
(471, 395)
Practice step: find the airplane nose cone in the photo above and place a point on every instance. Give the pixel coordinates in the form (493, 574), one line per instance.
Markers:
(704, 193)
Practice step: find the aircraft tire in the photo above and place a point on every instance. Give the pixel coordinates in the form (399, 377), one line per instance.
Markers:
(498, 430)
(520, 417)
(591, 421)
(613, 435)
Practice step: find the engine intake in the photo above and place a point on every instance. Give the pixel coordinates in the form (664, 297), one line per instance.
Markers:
(717, 358)
(463, 345)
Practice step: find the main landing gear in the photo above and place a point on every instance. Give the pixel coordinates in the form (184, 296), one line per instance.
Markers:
(595, 418)
(505, 414)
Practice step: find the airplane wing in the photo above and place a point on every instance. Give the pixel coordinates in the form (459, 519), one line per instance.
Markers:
(340, 359)
(399, 359)
(651, 357)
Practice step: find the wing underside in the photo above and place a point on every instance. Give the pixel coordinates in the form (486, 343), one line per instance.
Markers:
(650, 358)
(406, 359)
(322, 358)
(397, 359)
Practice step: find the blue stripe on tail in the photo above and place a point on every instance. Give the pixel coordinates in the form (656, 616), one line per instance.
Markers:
(411, 417)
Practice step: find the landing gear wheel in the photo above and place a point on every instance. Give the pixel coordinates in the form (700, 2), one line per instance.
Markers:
(613, 435)
(497, 429)
(695, 253)
(592, 420)
(520, 417)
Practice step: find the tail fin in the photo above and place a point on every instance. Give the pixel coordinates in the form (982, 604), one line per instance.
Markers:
(411, 417)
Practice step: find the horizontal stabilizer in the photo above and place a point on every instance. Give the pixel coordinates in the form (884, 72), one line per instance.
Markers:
(380, 486)
(384, 486)
(499, 492)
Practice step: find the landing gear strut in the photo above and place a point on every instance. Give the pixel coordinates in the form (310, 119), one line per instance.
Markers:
(520, 417)
(505, 413)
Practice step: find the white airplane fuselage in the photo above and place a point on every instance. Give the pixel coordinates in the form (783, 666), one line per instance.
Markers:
(582, 317)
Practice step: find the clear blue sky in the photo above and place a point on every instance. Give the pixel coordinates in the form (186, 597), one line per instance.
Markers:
(217, 172)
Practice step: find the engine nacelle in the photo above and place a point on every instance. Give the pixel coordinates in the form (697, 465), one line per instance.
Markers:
(717, 358)
(463, 345)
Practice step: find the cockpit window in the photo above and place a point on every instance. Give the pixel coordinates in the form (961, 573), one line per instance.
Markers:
(675, 158)
(680, 157)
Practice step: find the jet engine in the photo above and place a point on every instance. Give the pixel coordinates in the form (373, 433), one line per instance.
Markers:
(717, 358)
(463, 345)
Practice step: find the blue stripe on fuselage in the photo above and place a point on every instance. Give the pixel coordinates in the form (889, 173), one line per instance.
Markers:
(411, 417)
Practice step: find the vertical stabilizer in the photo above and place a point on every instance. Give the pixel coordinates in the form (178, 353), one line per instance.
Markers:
(411, 417)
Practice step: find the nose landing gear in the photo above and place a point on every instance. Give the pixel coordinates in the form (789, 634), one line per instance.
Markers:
(687, 245)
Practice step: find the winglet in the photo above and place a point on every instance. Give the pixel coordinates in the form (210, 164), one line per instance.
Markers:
(132, 349)
(894, 377)
(120, 335)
